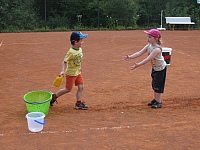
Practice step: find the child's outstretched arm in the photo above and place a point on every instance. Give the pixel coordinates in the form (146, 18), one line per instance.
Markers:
(135, 55)
(149, 58)
(64, 64)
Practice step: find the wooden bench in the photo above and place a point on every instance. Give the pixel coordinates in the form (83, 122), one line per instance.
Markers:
(172, 21)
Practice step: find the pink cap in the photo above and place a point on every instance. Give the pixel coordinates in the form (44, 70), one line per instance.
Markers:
(154, 32)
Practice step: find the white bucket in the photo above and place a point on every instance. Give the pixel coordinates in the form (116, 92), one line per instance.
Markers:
(35, 121)
(167, 52)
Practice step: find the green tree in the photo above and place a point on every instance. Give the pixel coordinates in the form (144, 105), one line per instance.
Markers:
(121, 13)
(179, 8)
(73, 14)
(18, 15)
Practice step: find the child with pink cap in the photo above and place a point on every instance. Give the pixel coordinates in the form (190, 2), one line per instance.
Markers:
(158, 63)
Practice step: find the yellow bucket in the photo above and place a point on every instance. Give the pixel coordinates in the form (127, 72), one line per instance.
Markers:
(58, 81)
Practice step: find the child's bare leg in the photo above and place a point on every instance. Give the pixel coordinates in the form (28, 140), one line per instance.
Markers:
(154, 95)
(79, 92)
(80, 104)
(58, 94)
(62, 92)
(158, 103)
(157, 97)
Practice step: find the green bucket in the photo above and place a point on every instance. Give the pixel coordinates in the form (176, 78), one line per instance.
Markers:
(38, 101)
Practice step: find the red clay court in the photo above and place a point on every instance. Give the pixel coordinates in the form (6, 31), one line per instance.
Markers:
(118, 116)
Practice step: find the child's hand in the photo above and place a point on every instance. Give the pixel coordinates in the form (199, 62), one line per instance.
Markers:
(61, 73)
(127, 57)
(134, 66)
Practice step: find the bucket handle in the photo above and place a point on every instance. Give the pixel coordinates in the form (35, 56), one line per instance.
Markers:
(43, 123)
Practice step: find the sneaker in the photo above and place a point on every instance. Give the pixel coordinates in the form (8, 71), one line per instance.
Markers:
(53, 100)
(152, 102)
(81, 106)
(157, 105)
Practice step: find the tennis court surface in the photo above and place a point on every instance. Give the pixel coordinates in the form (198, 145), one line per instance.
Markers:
(118, 116)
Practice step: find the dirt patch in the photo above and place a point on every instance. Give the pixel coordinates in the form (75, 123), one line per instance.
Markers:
(118, 117)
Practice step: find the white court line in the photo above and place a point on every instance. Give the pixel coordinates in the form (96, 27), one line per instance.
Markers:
(1, 43)
(25, 43)
(181, 53)
(95, 129)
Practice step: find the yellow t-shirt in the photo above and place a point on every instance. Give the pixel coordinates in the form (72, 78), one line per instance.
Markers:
(73, 59)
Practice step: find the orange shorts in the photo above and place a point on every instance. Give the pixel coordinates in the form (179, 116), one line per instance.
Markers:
(71, 80)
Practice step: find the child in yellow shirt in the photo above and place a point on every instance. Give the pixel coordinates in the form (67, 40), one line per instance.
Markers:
(71, 68)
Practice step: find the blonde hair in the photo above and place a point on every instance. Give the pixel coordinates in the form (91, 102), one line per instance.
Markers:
(159, 41)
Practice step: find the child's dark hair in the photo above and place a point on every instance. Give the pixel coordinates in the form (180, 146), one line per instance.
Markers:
(73, 41)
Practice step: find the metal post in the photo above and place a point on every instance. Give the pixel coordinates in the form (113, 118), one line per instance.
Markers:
(194, 11)
(161, 16)
(98, 15)
(148, 13)
(45, 13)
